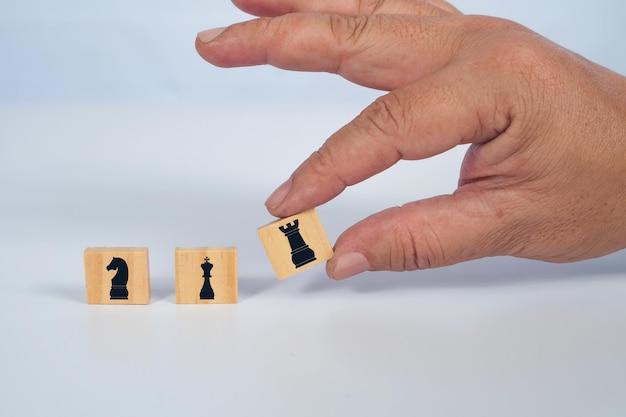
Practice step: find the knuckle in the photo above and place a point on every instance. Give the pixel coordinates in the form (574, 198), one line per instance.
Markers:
(275, 29)
(349, 30)
(423, 251)
(517, 51)
(386, 115)
(369, 6)
(527, 61)
(323, 163)
(529, 66)
(412, 250)
(433, 255)
(321, 160)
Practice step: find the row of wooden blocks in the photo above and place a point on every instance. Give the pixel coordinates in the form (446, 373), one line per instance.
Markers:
(206, 275)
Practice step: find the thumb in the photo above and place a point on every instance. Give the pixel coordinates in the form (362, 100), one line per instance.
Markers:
(430, 233)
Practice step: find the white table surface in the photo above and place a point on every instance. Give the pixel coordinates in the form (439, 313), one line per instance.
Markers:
(493, 337)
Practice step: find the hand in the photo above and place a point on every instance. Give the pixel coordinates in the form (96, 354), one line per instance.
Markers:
(544, 177)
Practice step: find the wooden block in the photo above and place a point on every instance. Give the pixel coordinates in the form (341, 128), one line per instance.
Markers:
(206, 275)
(117, 275)
(295, 243)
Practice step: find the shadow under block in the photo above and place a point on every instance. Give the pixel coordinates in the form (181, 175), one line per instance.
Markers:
(206, 275)
(117, 275)
(295, 243)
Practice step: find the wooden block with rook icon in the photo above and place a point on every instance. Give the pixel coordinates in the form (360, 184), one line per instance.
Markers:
(206, 275)
(295, 243)
(117, 275)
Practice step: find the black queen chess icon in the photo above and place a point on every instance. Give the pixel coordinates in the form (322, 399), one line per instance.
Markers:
(207, 293)
(301, 253)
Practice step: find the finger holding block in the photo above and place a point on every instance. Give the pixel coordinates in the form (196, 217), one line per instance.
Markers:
(117, 275)
(295, 243)
(206, 275)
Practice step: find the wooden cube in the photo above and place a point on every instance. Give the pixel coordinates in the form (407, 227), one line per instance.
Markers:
(295, 243)
(117, 275)
(206, 275)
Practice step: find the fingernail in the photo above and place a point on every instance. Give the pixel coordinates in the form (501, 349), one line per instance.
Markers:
(279, 195)
(208, 35)
(350, 264)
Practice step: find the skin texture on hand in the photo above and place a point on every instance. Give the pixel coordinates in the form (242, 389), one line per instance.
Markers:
(544, 177)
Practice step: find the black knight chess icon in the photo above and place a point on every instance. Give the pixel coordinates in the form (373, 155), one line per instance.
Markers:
(119, 281)
(301, 254)
(206, 293)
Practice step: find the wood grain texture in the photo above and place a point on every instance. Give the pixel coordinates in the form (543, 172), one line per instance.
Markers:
(190, 280)
(284, 247)
(99, 279)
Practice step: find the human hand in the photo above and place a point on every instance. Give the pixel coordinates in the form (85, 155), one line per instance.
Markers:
(544, 177)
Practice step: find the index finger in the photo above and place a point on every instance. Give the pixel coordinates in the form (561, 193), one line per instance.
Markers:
(413, 122)
(271, 8)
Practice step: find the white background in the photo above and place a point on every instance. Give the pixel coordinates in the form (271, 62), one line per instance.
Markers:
(113, 132)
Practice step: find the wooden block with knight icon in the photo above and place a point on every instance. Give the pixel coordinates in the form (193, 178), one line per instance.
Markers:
(295, 243)
(117, 275)
(206, 275)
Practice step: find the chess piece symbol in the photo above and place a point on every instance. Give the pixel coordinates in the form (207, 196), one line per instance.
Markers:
(119, 281)
(301, 254)
(206, 293)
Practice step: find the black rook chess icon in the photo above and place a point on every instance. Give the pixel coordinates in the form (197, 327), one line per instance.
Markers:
(119, 281)
(301, 254)
(206, 293)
